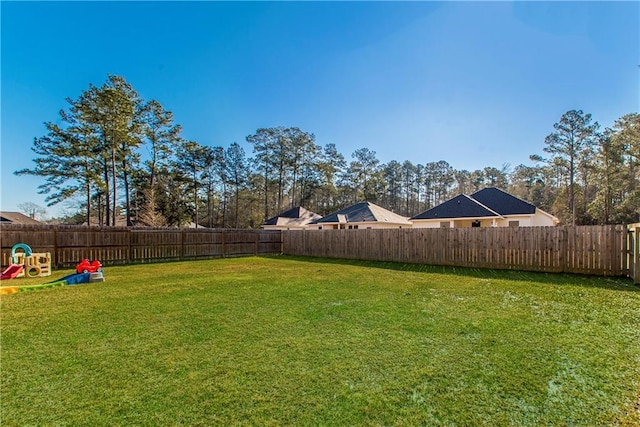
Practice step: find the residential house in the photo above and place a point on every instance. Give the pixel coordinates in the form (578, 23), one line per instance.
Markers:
(361, 215)
(489, 207)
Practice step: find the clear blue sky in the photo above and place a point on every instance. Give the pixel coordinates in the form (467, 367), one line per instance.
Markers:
(473, 83)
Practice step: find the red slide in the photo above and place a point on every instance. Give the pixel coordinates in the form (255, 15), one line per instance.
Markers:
(12, 271)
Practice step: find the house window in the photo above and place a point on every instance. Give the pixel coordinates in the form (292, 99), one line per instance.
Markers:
(514, 223)
(445, 224)
(355, 227)
(476, 223)
(351, 227)
(368, 228)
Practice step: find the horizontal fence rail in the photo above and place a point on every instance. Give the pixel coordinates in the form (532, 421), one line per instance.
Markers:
(596, 250)
(68, 245)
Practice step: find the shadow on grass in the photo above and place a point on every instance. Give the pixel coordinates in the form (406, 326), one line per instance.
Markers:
(615, 283)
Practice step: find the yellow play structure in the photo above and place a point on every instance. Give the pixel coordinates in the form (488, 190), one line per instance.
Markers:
(34, 264)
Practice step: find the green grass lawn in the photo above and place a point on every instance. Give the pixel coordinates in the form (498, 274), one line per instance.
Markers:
(294, 341)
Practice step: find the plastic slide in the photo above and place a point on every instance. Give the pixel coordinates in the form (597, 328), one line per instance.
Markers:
(74, 279)
(77, 278)
(11, 271)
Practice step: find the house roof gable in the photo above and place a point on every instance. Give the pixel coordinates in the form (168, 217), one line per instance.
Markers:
(503, 202)
(461, 206)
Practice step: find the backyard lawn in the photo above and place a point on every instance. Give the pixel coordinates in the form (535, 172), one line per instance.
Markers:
(300, 341)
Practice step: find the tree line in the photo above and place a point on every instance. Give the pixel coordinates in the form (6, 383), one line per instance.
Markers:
(123, 157)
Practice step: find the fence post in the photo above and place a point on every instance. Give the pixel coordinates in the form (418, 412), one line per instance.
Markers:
(55, 247)
(255, 248)
(636, 257)
(564, 236)
(223, 244)
(129, 245)
(88, 253)
(629, 260)
(281, 242)
(182, 244)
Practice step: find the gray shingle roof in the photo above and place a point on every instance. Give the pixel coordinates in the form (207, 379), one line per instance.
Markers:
(16, 218)
(488, 202)
(294, 216)
(461, 206)
(503, 202)
(363, 212)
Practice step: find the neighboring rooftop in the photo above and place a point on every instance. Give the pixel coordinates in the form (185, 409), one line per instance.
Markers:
(363, 212)
(16, 218)
(461, 206)
(297, 216)
(488, 202)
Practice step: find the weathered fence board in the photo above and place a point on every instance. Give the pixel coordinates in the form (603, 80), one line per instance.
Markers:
(120, 245)
(596, 250)
(636, 257)
(634, 252)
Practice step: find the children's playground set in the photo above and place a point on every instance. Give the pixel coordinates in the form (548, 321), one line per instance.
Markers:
(29, 264)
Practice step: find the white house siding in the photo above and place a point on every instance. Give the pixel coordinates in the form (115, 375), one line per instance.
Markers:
(284, 227)
(360, 225)
(539, 219)
(542, 219)
(453, 222)
(430, 223)
(484, 222)
(523, 220)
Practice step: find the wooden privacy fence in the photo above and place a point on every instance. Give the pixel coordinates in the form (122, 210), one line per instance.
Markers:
(119, 245)
(597, 250)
